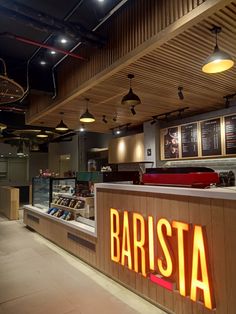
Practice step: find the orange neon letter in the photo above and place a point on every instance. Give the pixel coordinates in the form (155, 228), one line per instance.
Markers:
(126, 249)
(115, 231)
(165, 271)
(139, 242)
(181, 227)
(151, 243)
(199, 261)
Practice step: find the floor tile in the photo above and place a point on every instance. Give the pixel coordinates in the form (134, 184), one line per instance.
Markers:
(37, 277)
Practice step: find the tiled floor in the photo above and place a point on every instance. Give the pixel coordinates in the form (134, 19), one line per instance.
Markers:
(37, 277)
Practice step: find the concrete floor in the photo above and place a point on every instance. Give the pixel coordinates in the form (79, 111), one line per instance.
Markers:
(37, 277)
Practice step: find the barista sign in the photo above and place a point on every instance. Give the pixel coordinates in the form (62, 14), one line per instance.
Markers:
(165, 252)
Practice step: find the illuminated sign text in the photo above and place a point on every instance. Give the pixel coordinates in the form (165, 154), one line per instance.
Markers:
(148, 247)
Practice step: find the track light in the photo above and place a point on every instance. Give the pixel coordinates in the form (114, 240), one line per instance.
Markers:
(133, 110)
(61, 127)
(228, 98)
(166, 115)
(227, 102)
(104, 119)
(219, 60)
(87, 117)
(153, 121)
(120, 129)
(130, 99)
(180, 93)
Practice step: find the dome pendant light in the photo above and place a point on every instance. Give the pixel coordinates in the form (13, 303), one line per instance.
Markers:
(87, 117)
(42, 134)
(61, 127)
(130, 99)
(219, 60)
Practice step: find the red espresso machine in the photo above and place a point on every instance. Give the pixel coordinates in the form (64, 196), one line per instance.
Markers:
(194, 177)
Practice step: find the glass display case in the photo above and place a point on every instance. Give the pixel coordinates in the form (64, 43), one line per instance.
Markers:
(45, 189)
(62, 186)
(41, 190)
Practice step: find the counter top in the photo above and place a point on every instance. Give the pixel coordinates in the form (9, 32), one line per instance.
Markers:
(227, 193)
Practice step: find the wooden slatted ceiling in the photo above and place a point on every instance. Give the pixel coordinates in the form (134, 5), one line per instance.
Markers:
(157, 77)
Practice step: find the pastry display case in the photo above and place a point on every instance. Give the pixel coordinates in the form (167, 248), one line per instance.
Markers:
(41, 188)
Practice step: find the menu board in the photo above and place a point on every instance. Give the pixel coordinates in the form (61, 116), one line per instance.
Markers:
(171, 143)
(230, 134)
(211, 137)
(189, 140)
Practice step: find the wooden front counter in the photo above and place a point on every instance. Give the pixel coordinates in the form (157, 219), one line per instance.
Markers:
(214, 210)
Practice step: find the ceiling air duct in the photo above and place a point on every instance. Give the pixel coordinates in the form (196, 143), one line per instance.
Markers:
(10, 91)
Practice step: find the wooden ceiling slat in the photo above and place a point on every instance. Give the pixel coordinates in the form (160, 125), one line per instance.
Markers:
(159, 73)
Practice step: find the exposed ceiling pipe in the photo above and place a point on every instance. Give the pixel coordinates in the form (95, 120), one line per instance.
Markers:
(107, 16)
(12, 109)
(49, 23)
(41, 45)
(66, 18)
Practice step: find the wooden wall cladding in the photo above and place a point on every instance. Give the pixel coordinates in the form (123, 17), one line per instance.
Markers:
(126, 149)
(218, 216)
(9, 202)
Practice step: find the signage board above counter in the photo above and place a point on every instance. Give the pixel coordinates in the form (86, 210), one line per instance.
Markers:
(215, 137)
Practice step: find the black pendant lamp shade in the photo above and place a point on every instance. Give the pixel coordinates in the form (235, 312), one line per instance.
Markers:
(61, 127)
(42, 134)
(131, 99)
(87, 117)
(219, 60)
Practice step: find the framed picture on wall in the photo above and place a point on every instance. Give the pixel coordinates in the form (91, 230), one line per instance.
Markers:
(170, 139)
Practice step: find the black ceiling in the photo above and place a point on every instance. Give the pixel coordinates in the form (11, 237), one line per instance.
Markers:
(16, 18)
(45, 21)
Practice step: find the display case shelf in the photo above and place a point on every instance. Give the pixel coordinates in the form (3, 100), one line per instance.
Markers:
(81, 226)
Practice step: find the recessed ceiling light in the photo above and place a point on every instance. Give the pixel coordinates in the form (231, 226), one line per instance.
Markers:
(42, 62)
(63, 40)
(118, 132)
(53, 52)
(12, 97)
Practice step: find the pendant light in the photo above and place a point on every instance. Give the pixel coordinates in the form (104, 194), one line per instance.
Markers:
(219, 60)
(42, 134)
(130, 99)
(87, 117)
(61, 127)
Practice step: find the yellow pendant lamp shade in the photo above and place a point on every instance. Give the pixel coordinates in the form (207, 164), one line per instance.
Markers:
(87, 117)
(219, 60)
